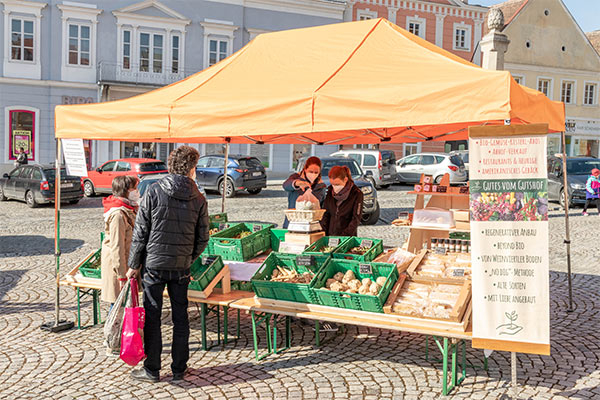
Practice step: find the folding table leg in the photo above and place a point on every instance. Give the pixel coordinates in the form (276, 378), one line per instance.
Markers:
(317, 333)
(78, 309)
(445, 367)
(288, 332)
(95, 307)
(238, 323)
(218, 324)
(203, 324)
(225, 324)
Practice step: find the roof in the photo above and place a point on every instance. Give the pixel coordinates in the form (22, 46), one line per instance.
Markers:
(369, 82)
(594, 38)
(510, 9)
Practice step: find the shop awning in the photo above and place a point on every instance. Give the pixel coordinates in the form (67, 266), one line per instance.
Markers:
(356, 82)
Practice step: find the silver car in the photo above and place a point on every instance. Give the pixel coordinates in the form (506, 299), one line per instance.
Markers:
(411, 167)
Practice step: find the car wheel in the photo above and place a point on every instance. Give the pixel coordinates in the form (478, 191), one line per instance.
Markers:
(438, 179)
(230, 190)
(561, 199)
(2, 196)
(30, 199)
(371, 219)
(88, 189)
(255, 191)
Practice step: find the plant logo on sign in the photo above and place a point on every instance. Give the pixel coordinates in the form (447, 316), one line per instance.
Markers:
(510, 328)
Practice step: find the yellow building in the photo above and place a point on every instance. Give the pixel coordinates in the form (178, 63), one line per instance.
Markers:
(549, 52)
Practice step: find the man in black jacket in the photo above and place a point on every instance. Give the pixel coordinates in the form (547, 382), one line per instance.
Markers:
(171, 230)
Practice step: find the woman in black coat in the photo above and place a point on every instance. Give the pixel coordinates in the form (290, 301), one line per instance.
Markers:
(343, 204)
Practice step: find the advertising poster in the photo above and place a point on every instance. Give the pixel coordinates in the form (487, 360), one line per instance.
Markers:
(21, 138)
(74, 157)
(509, 236)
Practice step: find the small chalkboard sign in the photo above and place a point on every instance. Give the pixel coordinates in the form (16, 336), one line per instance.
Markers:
(333, 242)
(305, 260)
(403, 215)
(256, 228)
(366, 243)
(442, 189)
(440, 250)
(458, 272)
(463, 190)
(222, 226)
(365, 269)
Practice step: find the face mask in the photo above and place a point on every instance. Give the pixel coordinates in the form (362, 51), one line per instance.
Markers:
(311, 176)
(134, 196)
(337, 188)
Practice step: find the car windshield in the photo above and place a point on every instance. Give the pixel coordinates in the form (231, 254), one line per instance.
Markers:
(344, 162)
(153, 166)
(456, 160)
(249, 162)
(50, 173)
(388, 157)
(582, 167)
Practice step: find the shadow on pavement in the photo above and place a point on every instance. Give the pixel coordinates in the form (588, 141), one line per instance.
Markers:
(21, 245)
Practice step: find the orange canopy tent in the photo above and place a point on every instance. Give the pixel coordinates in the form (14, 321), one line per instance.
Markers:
(357, 82)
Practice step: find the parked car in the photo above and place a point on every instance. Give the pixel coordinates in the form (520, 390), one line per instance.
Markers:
(381, 164)
(371, 208)
(243, 173)
(578, 171)
(100, 179)
(411, 167)
(147, 180)
(34, 184)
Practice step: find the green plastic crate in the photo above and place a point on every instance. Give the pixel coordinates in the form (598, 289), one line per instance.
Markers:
(298, 292)
(375, 250)
(277, 236)
(315, 248)
(354, 301)
(92, 268)
(216, 218)
(259, 241)
(204, 270)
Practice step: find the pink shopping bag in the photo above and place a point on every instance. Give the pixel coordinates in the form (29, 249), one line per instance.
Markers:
(132, 338)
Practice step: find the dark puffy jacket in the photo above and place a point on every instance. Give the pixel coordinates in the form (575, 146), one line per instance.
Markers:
(342, 219)
(171, 227)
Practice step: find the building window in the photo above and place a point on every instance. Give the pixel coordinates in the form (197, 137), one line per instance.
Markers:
(175, 54)
(545, 86)
(21, 133)
(218, 51)
(79, 44)
(460, 38)
(519, 79)
(126, 61)
(363, 15)
(590, 93)
(22, 43)
(414, 28)
(151, 53)
(567, 94)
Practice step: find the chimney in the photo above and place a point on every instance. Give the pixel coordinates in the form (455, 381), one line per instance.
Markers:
(495, 43)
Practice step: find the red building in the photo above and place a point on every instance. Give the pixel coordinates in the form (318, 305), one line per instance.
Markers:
(454, 25)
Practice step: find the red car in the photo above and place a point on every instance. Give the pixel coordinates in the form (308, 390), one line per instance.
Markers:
(100, 179)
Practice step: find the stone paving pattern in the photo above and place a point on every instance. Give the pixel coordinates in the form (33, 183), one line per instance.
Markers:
(360, 364)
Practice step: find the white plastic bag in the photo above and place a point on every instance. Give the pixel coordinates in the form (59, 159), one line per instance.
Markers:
(114, 321)
(307, 201)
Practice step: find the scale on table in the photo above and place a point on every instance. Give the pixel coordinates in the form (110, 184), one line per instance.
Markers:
(305, 226)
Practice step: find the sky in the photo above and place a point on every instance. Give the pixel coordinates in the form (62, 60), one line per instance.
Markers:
(585, 12)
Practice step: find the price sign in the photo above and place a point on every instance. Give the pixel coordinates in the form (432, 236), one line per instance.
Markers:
(463, 190)
(403, 215)
(365, 269)
(458, 272)
(222, 226)
(333, 242)
(256, 228)
(440, 250)
(366, 243)
(305, 260)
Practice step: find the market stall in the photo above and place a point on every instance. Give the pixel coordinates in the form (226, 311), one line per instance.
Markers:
(352, 83)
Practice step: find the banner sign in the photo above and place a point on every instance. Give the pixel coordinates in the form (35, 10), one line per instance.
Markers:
(509, 237)
(74, 157)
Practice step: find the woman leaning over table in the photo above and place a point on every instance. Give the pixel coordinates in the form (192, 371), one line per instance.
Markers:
(343, 204)
(119, 217)
(298, 183)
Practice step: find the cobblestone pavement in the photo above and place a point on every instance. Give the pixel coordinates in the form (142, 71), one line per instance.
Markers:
(362, 363)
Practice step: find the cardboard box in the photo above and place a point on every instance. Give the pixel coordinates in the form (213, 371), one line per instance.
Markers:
(461, 215)
(463, 225)
(303, 238)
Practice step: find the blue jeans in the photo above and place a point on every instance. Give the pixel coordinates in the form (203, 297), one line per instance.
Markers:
(177, 282)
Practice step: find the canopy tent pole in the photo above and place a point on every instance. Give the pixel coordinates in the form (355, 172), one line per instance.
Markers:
(57, 325)
(225, 177)
(567, 227)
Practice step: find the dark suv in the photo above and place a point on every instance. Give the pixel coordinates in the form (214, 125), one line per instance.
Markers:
(371, 209)
(578, 171)
(243, 172)
(34, 184)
